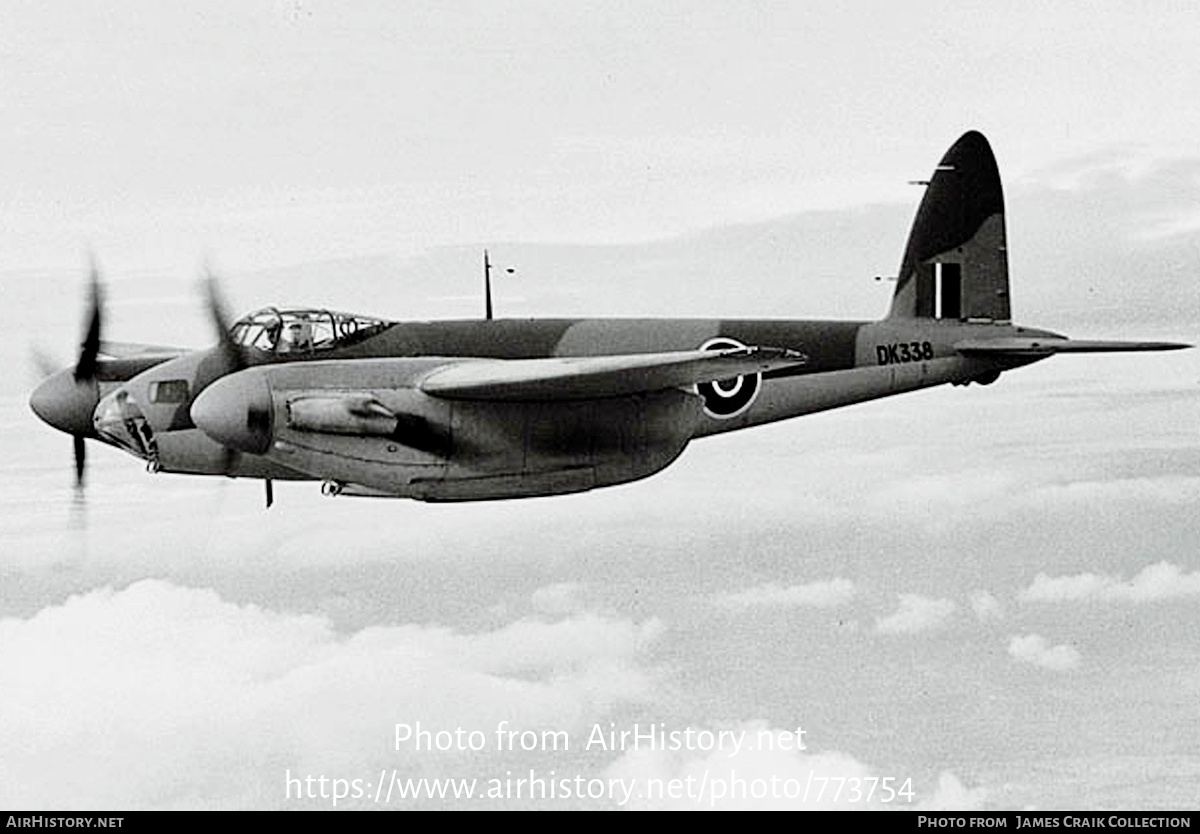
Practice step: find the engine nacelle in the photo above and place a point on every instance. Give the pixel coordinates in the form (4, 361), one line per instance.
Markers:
(371, 425)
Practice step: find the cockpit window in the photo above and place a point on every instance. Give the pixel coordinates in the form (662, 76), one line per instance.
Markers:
(169, 391)
(302, 331)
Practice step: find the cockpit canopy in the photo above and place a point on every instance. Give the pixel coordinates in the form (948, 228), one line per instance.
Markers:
(302, 330)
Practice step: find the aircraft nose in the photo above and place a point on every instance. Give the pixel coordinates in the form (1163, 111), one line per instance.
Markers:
(66, 404)
(236, 411)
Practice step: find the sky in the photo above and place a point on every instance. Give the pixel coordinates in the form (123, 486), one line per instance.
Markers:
(989, 592)
(289, 131)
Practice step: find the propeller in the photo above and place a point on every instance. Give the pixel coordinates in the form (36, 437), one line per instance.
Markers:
(89, 350)
(66, 399)
(57, 386)
(87, 364)
(232, 358)
(218, 314)
(80, 459)
(227, 350)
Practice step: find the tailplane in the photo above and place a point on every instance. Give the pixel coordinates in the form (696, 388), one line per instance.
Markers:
(955, 266)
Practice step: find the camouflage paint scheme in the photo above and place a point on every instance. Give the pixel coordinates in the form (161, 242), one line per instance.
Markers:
(368, 417)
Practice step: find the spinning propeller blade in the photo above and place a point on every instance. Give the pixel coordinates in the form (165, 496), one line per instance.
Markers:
(218, 313)
(230, 352)
(87, 363)
(80, 459)
(89, 349)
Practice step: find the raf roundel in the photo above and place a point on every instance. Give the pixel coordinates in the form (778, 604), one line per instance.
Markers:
(726, 398)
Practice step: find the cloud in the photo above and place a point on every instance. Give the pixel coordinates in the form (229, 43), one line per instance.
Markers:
(560, 598)
(986, 606)
(1032, 648)
(952, 795)
(160, 696)
(825, 594)
(1154, 582)
(766, 777)
(916, 613)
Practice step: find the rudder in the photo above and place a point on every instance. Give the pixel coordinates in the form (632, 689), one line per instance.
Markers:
(955, 265)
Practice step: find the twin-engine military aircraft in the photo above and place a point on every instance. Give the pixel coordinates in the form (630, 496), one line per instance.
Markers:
(488, 409)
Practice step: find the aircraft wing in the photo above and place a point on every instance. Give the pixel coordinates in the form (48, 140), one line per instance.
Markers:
(585, 377)
(1039, 346)
(134, 350)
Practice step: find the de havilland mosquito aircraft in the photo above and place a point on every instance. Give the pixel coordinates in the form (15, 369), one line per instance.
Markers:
(494, 408)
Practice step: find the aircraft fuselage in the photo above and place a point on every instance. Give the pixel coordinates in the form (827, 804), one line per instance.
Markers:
(463, 450)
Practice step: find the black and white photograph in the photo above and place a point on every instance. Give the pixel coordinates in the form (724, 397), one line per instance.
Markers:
(600, 405)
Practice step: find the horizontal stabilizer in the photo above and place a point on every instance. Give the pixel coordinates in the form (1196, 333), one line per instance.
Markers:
(587, 377)
(1024, 347)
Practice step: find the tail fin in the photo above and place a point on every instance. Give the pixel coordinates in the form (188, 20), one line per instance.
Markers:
(955, 265)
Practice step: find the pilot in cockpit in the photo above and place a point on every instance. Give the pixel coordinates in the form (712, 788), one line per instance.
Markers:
(297, 336)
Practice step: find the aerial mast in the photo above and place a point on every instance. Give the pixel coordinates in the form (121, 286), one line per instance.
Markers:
(487, 285)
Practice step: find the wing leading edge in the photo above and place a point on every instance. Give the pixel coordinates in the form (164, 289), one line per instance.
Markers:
(585, 377)
(135, 350)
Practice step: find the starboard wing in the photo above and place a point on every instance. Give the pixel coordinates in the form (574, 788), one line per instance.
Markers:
(586, 377)
(134, 350)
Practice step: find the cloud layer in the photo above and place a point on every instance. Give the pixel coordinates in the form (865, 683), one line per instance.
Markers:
(986, 606)
(824, 594)
(766, 777)
(916, 613)
(1154, 582)
(1033, 648)
(158, 696)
